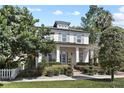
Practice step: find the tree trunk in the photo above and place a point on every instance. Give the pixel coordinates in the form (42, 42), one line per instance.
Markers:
(91, 62)
(112, 74)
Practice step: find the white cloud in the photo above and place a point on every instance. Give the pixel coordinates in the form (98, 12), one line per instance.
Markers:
(118, 19)
(120, 23)
(76, 13)
(118, 16)
(121, 9)
(58, 12)
(35, 9)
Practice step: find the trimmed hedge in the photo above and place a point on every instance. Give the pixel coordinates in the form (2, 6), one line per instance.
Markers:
(53, 63)
(82, 63)
(30, 73)
(90, 70)
(57, 69)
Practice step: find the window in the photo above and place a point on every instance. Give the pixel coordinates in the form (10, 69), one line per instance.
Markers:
(59, 38)
(59, 25)
(78, 38)
(64, 37)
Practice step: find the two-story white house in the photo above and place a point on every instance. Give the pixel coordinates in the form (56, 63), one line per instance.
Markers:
(70, 44)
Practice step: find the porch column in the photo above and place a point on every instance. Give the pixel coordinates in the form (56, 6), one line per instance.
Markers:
(58, 54)
(86, 55)
(77, 54)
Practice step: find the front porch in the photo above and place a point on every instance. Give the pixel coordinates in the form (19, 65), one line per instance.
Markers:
(65, 53)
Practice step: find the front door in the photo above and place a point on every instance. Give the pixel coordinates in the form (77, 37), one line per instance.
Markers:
(63, 57)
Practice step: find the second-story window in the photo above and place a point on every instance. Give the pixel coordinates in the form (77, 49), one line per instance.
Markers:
(78, 38)
(59, 38)
(64, 37)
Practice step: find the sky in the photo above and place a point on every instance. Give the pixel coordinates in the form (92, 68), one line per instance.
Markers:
(48, 14)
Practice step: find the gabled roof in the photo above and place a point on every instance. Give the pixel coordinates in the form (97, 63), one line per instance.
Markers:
(61, 22)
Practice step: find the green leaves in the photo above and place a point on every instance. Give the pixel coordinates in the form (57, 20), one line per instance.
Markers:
(18, 33)
(111, 53)
(96, 20)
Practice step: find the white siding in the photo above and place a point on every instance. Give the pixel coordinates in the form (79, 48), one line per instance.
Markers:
(71, 38)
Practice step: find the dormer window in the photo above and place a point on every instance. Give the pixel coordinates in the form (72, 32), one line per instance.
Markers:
(61, 24)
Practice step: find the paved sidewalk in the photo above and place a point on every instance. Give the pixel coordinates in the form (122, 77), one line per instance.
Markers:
(77, 76)
(44, 78)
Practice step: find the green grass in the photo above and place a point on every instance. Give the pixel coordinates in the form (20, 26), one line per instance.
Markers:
(118, 83)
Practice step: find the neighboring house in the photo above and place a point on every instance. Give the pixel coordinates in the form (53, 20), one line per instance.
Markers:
(71, 44)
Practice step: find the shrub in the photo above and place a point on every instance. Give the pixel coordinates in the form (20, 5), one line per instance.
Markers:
(54, 63)
(101, 72)
(48, 71)
(82, 63)
(80, 67)
(2, 65)
(2, 61)
(58, 69)
(85, 70)
(96, 64)
(12, 65)
(30, 73)
(122, 69)
(89, 69)
(69, 71)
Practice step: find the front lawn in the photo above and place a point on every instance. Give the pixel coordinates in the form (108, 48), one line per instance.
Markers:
(118, 83)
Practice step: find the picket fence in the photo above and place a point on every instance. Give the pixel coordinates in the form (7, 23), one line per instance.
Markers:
(8, 74)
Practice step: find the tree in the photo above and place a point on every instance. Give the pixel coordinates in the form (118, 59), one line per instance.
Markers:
(76, 27)
(19, 35)
(96, 20)
(111, 53)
